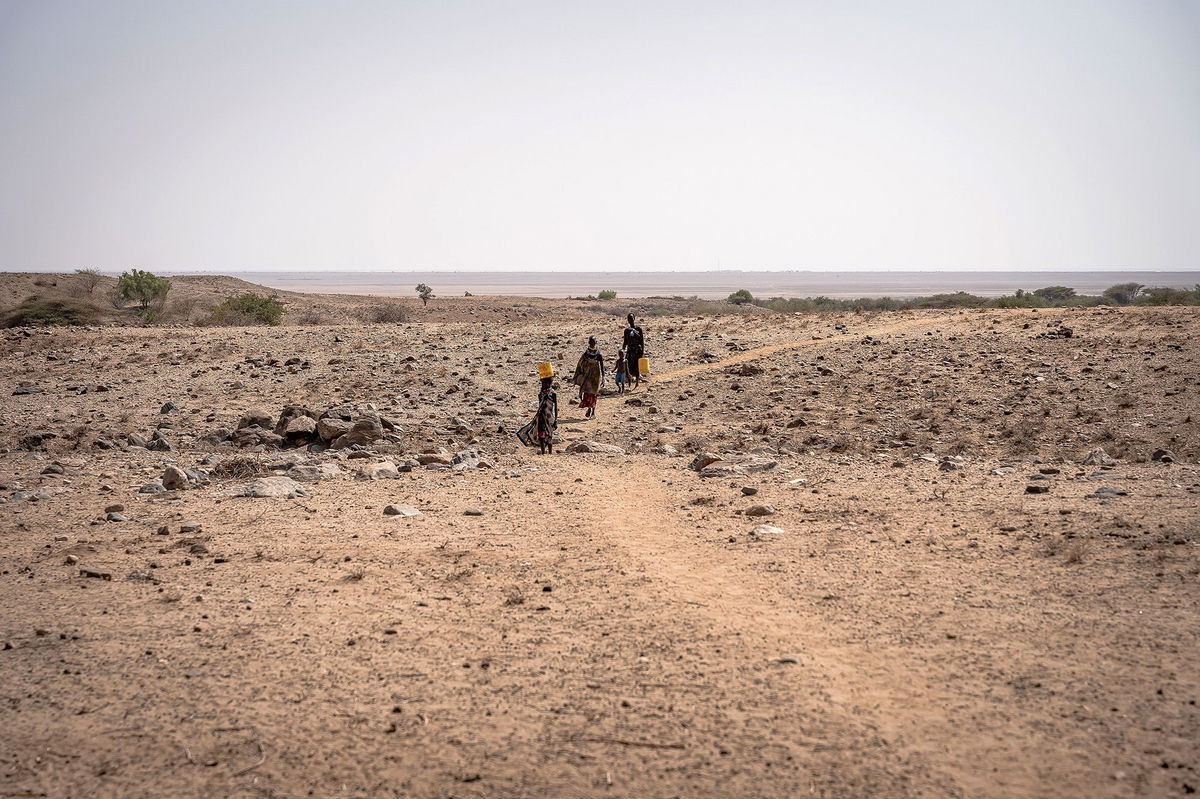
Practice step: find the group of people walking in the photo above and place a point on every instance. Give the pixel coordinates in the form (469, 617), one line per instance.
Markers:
(588, 377)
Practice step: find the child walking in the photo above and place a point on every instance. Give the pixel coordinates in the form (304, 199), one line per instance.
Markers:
(546, 421)
(621, 372)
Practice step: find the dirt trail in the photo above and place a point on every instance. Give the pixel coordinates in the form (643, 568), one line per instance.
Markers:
(879, 687)
(773, 349)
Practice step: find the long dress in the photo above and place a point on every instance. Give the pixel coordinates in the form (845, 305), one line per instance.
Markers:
(540, 430)
(546, 421)
(587, 376)
(635, 349)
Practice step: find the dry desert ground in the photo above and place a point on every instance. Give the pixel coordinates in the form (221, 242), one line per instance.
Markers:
(937, 554)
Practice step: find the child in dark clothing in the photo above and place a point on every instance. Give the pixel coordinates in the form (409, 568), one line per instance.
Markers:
(621, 371)
(546, 421)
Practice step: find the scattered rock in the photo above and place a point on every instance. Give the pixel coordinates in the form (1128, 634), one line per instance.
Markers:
(330, 428)
(403, 511)
(283, 487)
(115, 517)
(594, 447)
(28, 388)
(749, 491)
(315, 474)
(301, 427)
(1098, 457)
(760, 510)
(703, 460)
(1164, 456)
(190, 527)
(174, 479)
(722, 469)
(379, 471)
(255, 417)
(1033, 489)
(365, 431)
(766, 529)
(472, 512)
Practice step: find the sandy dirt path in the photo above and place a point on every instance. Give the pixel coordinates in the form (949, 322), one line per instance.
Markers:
(775, 349)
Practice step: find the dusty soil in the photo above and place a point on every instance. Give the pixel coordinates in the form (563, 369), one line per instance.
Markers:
(608, 625)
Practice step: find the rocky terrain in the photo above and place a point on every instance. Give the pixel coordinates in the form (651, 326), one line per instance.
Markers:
(896, 554)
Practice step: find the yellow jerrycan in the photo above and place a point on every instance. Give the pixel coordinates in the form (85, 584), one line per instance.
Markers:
(545, 370)
(643, 366)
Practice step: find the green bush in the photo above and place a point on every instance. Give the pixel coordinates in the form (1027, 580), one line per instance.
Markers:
(248, 309)
(1055, 294)
(1122, 293)
(145, 288)
(36, 312)
(1169, 296)
(740, 297)
(607, 294)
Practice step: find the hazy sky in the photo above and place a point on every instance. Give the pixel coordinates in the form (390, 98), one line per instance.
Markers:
(599, 135)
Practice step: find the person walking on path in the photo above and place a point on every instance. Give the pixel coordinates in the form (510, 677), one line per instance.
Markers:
(588, 374)
(540, 430)
(546, 421)
(634, 344)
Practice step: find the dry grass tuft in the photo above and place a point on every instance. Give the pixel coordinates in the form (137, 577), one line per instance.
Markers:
(238, 467)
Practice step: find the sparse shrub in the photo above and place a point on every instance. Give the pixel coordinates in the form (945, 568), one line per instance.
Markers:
(387, 313)
(36, 312)
(146, 288)
(237, 467)
(312, 317)
(248, 309)
(1076, 551)
(181, 309)
(44, 282)
(607, 294)
(740, 297)
(86, 281)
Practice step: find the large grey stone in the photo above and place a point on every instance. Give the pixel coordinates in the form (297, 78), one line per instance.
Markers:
(283, 487)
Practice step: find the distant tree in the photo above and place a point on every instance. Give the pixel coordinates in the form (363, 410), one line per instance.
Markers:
(147, 289)
(1122, 293)
(1168, 296)
(607, 294)
(1055, 294)
(740, 297)
(425, 293)
(89, 279)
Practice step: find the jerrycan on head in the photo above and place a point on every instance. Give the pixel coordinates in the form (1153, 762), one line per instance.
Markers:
(545, 370)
